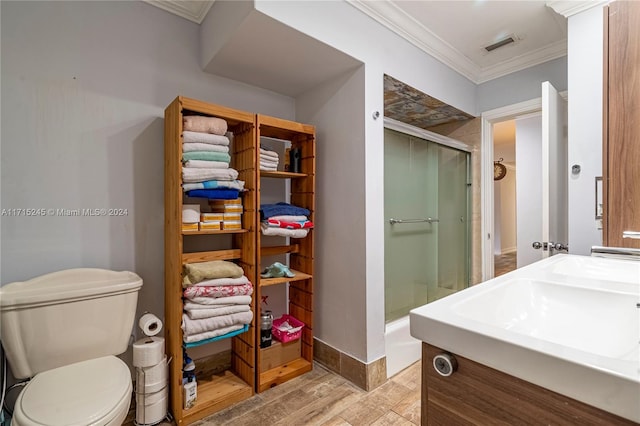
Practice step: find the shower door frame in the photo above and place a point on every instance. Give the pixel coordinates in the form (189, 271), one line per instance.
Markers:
(439, 139)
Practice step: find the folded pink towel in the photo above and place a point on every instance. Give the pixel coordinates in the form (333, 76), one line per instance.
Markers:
(199, 123)
(218, 291)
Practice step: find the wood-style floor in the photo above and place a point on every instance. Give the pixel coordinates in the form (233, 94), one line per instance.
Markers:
(321, 397)
(504, 263)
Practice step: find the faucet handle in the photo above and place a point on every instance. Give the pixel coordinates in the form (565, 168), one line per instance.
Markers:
(559, 246)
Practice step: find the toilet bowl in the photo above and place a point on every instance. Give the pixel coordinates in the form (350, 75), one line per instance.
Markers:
(63, 330)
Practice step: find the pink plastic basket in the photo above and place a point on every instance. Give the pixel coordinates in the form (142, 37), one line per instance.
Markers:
(287, 335)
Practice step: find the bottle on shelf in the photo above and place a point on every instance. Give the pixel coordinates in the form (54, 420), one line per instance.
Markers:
(266, 321)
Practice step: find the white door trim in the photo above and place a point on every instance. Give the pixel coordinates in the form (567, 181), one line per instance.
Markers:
(488, 118)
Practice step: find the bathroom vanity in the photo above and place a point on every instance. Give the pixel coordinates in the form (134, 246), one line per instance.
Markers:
(555, 342)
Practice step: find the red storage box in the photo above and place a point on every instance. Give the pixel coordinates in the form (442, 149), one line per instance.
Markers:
(287, 335)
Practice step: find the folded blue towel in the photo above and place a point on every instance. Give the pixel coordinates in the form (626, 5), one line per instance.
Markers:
(214, 194)
(281, 209)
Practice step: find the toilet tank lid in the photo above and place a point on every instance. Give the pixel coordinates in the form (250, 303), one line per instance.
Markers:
(68, 285)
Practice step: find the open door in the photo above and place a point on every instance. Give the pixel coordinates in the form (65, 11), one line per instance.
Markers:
(554, 173)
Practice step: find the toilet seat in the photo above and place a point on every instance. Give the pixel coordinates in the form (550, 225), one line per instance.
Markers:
(93, 392)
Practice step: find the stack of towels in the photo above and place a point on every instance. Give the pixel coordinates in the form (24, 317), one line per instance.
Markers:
(268, 160)
(217, 301)
(205, 156)
(284, 220)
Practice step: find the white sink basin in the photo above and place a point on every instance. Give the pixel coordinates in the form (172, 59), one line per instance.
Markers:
(567, 323)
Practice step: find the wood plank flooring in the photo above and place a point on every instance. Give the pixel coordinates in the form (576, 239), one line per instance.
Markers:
(504, 263)
(323, 398)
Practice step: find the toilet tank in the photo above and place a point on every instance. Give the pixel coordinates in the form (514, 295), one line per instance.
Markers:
(66, 317)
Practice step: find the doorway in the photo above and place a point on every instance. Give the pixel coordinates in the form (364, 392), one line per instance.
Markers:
(504, 197)
(545, 201)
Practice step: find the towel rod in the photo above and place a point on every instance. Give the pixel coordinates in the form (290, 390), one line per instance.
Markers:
(393, 221)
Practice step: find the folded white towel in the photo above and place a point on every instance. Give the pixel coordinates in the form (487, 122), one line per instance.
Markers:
(188, 137)
(190, 174)
(216, 312)
(197, 326)
(206, 164)
(269, 154)
(231, 300)
(211, 334)
(269, 168)
(268, 162)
(282, 232)
(198, 146)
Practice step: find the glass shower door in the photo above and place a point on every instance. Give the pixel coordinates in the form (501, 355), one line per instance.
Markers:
(426, 222)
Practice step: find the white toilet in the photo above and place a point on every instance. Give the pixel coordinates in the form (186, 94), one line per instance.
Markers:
(64, 329)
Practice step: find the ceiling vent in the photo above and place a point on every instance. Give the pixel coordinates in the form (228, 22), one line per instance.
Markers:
(503, 42)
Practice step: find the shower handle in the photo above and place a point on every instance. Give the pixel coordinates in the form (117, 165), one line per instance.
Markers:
(393, 221)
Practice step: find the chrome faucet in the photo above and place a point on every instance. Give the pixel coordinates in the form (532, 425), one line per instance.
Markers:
(616, 252)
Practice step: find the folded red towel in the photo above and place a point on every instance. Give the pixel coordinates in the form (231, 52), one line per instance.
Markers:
(303, 224)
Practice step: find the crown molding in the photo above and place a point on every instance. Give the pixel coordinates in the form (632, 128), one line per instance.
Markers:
(194, 11)
(535, 57)
(568, 8)
(392, 17)
(398, 21)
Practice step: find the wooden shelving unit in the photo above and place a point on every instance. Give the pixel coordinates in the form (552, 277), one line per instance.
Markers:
(217, 391)
(301, 257)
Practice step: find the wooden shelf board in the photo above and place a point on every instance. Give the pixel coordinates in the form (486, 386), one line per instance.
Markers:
(276, 250)
(299, 276)
(216, 393)
(281, 374)
(205, 256)
(222, 231)
(281, 175)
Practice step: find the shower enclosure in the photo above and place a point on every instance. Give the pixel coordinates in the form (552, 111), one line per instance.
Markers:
(427, 228)
(426, 206)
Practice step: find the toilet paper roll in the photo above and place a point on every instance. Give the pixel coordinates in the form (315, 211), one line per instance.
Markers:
(152, 408)
(148, 352)
(152, 379)
(150, 324)
(190, 213)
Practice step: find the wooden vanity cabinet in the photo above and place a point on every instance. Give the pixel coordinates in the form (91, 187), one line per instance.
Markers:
(479, 395)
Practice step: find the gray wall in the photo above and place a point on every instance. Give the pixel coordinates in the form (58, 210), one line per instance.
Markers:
(340, 265)
(522, 85)
(84, 87)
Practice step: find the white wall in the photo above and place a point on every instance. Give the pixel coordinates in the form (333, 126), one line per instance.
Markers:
(345, 28)
(528, 188)
(84, 87)
(585, 40)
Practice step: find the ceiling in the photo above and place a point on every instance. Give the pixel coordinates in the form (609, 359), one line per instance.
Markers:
(276, 57)
(456, 32)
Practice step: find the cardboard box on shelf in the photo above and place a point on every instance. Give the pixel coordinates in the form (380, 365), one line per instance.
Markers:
(279, 353)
